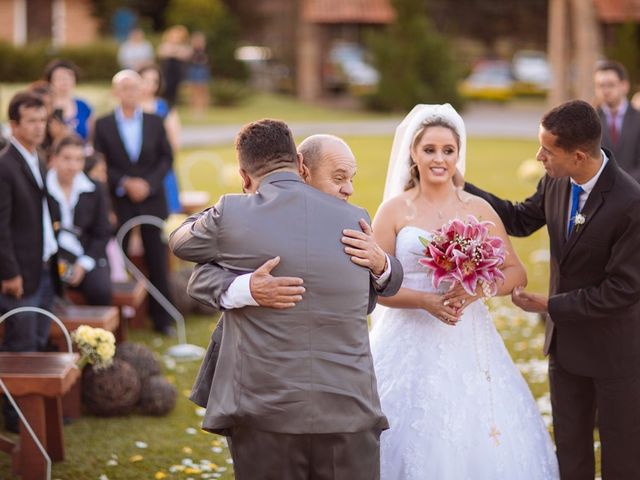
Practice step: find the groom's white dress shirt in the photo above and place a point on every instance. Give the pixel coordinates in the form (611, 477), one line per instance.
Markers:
(587, 186)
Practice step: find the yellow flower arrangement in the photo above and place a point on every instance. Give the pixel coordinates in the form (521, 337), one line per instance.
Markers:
(97, 346)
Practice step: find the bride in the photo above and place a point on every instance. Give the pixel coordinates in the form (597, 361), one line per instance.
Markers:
(458, 407)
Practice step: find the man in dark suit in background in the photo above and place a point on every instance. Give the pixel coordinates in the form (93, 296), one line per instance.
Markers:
(138, 157)
(27, 241)
(620, 121)
(591, 208)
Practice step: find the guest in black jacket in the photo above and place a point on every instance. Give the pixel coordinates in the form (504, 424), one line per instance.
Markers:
(138, 156)
(27, 242)
(84, 222)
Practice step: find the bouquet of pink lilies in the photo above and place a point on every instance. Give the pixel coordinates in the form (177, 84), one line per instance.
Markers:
(464, 253)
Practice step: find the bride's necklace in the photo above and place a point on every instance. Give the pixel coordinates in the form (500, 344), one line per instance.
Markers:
(439, 210)
(485, 369)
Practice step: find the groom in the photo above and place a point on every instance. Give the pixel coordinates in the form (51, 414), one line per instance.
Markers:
(592, 211)
(295, 389)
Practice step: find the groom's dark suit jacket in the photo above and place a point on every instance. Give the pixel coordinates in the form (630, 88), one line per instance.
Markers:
(594, 303)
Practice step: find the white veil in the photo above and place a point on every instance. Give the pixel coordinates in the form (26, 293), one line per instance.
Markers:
(400, 160)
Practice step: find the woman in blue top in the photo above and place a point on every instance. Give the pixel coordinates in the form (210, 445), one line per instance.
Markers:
(152, 103)
(62, 76)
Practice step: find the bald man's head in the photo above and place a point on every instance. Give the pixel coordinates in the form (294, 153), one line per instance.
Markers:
(126, 88)
(331, 164)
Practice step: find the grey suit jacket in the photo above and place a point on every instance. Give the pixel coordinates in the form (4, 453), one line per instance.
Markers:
(627, 148)
(207, 284)
(303, 370)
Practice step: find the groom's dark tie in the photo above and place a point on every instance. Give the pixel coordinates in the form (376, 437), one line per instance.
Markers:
(576, 190)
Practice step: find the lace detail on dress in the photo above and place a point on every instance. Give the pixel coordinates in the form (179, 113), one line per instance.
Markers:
(437, 398)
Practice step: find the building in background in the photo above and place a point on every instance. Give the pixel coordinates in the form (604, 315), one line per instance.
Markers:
(302, 33)
(63, 22)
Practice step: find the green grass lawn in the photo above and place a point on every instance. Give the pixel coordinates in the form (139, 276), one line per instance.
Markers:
(96, 446)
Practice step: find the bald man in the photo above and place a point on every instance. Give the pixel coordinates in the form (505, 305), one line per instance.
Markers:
(329, 166)
(138, 157)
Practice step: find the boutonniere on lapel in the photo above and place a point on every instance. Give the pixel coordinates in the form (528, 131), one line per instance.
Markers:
(579, 220)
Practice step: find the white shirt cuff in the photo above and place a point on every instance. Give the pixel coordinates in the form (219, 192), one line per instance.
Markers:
(238, 294)
(86, 262)
(382, 280)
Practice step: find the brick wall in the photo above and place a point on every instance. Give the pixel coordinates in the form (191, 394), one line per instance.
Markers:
(6, 20)
(81, 27)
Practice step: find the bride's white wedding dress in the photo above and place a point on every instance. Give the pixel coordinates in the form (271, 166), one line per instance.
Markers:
(448, 420)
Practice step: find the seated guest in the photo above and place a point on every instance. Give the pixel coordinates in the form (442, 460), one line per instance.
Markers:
(84, 222)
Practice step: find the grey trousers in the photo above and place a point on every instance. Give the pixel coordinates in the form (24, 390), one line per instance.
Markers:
(259, 455)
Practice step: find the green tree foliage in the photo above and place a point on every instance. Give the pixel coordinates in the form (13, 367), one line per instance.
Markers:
(220, 27)
(625, 50)
(153, 10)
(415, 62)
(487, 20)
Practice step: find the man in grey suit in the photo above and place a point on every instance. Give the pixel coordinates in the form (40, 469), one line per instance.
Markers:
(620, 121)
(295, 389)
(329, 166)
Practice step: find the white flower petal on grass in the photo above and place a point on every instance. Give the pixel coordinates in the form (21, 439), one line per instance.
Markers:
(140, 444)
(230, 461)
(169, 362)
(200, 412)
(216, 449)
(103, 477)
(191, 431)
(112, 463)
(222, 469)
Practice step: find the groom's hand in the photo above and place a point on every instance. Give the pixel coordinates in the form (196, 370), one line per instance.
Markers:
(275, 292)
(364, 250)
(530, 302)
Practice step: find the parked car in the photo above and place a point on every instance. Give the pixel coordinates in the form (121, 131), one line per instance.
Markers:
(347, 69)
(532, 72)
(489, 80)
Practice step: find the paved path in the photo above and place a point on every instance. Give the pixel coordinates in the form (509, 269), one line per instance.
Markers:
(482, 120)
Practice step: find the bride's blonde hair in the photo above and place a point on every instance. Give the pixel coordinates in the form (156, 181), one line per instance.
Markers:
(414, 174)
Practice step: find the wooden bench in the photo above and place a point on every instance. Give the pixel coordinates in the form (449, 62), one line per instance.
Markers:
(73, 316)
(124, 294)
(37, 382)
